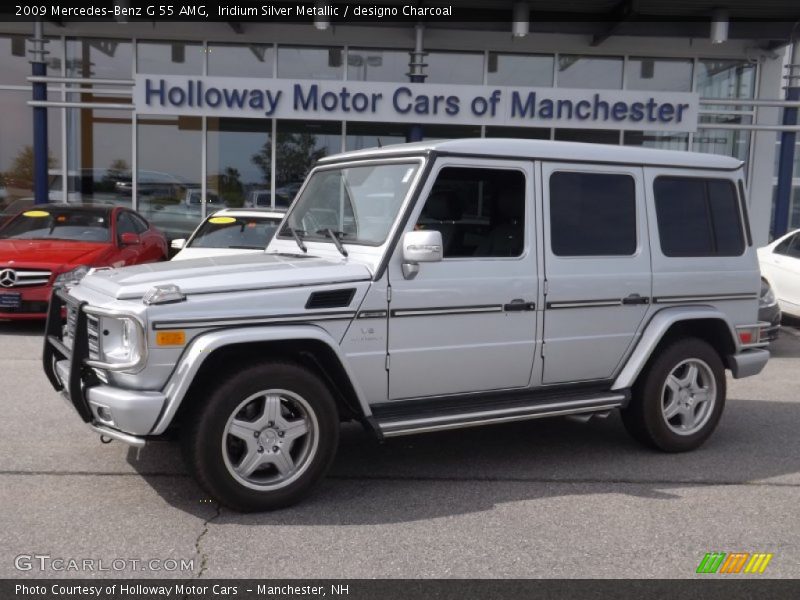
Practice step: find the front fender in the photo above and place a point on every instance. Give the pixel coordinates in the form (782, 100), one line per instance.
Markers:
(654, 331)
(204, 346)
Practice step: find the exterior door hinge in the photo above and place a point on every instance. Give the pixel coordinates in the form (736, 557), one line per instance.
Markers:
(388, 362)
(546, 287)
(388, 293)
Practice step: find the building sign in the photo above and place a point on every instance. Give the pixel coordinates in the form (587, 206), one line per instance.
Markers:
(415, 103)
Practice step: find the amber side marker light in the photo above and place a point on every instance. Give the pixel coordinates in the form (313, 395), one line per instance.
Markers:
(170, 338)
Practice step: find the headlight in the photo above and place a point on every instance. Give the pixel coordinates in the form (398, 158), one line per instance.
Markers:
(122, 342)
(767, 297)
(71, 277)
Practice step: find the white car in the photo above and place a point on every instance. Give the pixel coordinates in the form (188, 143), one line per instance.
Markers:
(230, 231)
(780, 266)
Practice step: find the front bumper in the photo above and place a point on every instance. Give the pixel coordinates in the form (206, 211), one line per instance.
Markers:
(33, 306)
(117, 413)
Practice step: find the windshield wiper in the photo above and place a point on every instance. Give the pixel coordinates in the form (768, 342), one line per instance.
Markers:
(296, 235)
(334, 235)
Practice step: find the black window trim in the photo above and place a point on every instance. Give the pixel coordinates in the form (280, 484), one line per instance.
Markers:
(705, 179)
(636, 199)
(745, 213)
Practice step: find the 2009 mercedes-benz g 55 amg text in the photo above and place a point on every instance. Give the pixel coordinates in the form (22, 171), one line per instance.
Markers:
(422, 287)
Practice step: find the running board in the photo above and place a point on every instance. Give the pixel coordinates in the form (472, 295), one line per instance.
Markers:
(396, 426)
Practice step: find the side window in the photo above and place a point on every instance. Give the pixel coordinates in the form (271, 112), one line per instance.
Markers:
(124, 224)
(698, 217)
(138, 223)
(479, 212)
(783, 247)
(592, 214)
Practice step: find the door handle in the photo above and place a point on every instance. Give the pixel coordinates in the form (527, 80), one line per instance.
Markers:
(636, 299)
(518, 304)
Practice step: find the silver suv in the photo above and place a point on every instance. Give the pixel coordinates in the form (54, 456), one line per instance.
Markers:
(423, 287)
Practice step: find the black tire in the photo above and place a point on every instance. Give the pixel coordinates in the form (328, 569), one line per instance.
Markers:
(645, 417)
(209, 449)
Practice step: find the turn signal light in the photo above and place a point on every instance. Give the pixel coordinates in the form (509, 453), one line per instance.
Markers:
(170, 338)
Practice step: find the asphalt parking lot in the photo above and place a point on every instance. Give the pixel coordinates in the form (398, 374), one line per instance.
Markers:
(551, 498)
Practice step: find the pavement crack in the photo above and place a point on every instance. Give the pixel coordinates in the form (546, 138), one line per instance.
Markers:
(199, 553)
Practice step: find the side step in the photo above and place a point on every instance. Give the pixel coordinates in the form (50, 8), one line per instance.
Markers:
(392, 425)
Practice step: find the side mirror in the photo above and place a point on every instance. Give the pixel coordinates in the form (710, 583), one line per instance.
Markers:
(129, 239)
(420, 247)
(177, 244)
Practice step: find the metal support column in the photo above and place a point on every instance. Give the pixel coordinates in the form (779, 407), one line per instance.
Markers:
(416, 74)
(783, 195)
(40, 152)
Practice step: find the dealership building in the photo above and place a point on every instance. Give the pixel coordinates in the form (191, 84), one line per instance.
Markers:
(179, 118)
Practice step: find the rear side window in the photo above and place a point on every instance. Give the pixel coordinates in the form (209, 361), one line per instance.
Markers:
(698, 217)
(592, 214)
(789, 247)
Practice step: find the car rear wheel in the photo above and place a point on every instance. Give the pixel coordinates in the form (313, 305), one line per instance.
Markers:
(678, 401)
(263, 438)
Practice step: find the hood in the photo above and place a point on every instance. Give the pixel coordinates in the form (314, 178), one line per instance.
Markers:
(190, 253)
(225, 274)
(49, 252)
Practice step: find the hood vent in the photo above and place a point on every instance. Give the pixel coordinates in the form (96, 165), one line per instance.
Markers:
(331, 299)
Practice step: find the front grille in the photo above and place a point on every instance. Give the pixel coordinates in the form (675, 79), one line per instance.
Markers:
(92, 329)
(13, 278)
(26, 307)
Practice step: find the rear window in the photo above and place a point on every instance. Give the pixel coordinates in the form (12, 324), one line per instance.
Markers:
(698, 217)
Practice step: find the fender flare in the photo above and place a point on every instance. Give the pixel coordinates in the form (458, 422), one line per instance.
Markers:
(206, 344)
(654, 332)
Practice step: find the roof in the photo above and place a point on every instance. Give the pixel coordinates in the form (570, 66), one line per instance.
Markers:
(249, 212)
(549, 150)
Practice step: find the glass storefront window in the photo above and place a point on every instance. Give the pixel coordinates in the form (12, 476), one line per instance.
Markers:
(15, 58)
(589, 72)
(520, 69)
(659, 74)
(450, 132)
(370, 64)
(723, 141)
(16, 151)
(239, 170)
(728, 79)
(665, 140)
(298, 145)
(454, 67)
(98, 157)
(310, 63)
(370, 135)
(169, 58)
(245, 60)
(593, 136)
(526, 133)
(168, 176)
(100, 58)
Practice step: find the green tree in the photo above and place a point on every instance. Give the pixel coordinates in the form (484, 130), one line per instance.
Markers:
(296, 152)
(21, 172)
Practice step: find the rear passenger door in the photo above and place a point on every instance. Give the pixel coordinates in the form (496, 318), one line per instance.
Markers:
(597, 268)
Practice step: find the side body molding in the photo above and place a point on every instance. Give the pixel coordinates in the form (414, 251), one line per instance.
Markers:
(203, 346)
(655, 330)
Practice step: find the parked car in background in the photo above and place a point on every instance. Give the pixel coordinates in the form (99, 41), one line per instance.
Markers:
(769, 312)
(230, 231)
(57, 244)
(194, 196)
(780, 267)
(258, 199)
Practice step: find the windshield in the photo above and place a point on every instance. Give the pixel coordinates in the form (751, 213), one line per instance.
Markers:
(235, 232)
(358, 204)
(59, 224)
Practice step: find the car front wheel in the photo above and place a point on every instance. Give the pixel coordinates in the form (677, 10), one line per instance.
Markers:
(264, 438)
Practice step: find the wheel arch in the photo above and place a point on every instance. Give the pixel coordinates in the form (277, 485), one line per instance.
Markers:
(212, 355)
(704, 322)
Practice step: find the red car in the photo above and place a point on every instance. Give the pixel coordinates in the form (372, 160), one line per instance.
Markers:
(58, 243)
